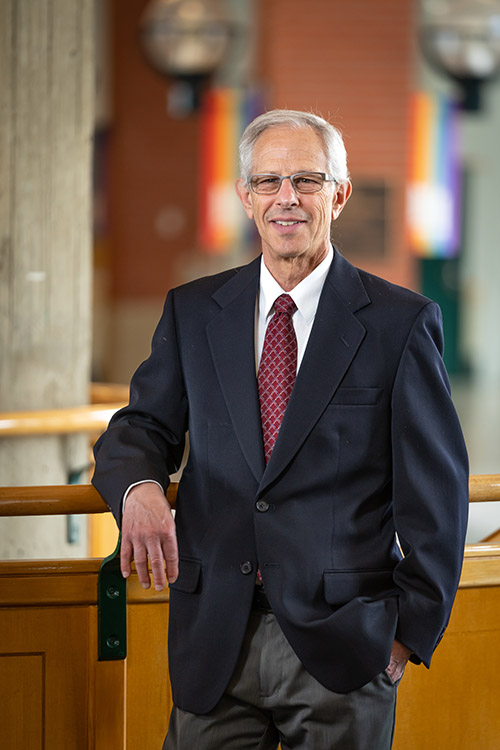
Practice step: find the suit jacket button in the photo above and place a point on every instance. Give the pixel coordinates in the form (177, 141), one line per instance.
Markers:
(262, 506)
(246, 567)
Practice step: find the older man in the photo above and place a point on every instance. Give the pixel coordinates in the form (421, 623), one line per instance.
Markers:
(322, 511)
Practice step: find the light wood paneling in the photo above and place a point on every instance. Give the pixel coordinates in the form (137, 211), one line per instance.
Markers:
(148, 686)
(454, 705)
(25, 673)
(54, 694)
(48, 621)
(51, 648)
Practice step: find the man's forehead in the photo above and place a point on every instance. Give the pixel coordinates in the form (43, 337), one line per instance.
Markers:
(284, 144)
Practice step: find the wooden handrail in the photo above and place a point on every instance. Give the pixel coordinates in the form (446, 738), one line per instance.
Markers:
(106, 398)
(94, 419)
(480, 563)
(51, 500)
(105, 393)
(84, 498)
(58, 500)
(484, 488)
(91, 419)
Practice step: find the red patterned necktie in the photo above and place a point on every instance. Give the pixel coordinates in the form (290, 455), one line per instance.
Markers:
(277, 370)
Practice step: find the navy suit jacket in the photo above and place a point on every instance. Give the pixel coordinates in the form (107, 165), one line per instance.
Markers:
(370, 445)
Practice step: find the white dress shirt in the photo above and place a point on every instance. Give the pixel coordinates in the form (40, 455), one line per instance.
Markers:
(305, 295)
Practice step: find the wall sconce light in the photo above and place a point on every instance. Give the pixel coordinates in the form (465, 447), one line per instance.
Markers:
(187, 41)
(461, 38)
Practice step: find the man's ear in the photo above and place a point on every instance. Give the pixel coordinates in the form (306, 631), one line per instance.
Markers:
(341, 197)
(244, 195)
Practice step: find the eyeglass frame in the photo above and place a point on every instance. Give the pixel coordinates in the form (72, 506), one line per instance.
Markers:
(325, 176)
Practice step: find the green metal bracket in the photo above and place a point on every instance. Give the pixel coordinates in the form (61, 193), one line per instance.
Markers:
(112, 609)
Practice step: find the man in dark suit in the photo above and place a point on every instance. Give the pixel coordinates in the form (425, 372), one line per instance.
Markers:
(321, 515)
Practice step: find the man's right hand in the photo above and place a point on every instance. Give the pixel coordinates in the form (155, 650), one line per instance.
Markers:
(148, 531)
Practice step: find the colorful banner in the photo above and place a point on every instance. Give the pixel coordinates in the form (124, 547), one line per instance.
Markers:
(433, 206)
(223, 226)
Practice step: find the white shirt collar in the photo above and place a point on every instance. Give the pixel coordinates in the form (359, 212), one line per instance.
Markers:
(305, 295)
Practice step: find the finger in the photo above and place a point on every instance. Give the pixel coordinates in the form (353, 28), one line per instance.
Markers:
(141, 565)
(125, 557)
(396, 670)
(157, 566)
(171, 555)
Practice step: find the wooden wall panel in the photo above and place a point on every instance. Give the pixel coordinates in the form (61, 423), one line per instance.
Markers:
(50, 647)
(148, 687)
(55, 695)
(454, 705)
(21, 700)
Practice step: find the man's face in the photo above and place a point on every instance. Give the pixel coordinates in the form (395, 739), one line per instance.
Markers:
(292, 224)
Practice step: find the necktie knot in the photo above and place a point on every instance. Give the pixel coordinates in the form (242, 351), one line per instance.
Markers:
(285, 304)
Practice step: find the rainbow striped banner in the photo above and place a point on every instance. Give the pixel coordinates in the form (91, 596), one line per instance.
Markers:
(434, 194)
(223, 225)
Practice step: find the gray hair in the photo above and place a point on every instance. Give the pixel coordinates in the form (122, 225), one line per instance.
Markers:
(335, 151)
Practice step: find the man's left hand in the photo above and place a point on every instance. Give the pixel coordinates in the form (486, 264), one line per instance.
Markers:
(399, 658)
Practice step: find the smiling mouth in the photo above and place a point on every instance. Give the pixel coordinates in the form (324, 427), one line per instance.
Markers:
(287, 223)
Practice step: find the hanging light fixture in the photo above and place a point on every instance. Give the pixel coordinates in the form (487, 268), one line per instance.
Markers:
(186, 41)
(461, 38)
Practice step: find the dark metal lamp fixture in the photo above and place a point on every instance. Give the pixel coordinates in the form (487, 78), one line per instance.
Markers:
(187, 41)
(461, 38)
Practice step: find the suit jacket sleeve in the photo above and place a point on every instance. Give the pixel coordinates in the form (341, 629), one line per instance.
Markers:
(145, 440)
(430, 486)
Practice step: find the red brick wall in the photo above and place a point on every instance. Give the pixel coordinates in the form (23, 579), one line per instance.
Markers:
(351, 61)
(153, 168)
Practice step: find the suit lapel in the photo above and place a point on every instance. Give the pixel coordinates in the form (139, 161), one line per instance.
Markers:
(232, 343)
(335, 338)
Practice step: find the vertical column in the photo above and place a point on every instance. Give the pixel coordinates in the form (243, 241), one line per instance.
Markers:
(46, 123)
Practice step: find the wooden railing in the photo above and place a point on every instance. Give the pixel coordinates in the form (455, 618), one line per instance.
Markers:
(481, 564)
(484, 488)
(86, 419)
(92, 418)
(56, 690)
(104, 393)
(482, 560)
(119, 708)
(84, 498)
(58, 500)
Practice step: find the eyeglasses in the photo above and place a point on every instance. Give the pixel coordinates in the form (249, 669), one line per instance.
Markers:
(302, 182)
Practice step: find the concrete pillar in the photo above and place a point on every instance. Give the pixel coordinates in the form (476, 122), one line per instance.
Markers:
(46, 125)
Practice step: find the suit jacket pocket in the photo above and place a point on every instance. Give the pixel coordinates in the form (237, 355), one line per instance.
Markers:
(189, 575)
(356, 397)
(341, 586)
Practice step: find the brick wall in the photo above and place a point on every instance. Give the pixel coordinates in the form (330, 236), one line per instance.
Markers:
(351, 61)
(153, 169)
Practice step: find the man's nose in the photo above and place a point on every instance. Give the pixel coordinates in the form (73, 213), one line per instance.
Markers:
(287, 195)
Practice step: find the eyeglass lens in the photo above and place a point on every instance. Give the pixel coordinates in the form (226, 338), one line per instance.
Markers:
(303, 182)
